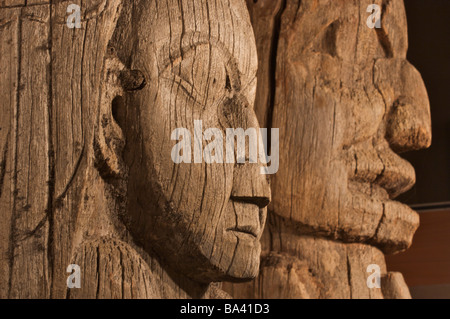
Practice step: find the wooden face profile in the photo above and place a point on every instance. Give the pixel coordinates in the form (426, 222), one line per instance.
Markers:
(351, 104)
(199, 60)
(347, 103)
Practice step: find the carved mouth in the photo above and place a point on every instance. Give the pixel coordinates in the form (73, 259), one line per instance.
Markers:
(245, 230)
(382, 169)
(249, 219)
(378, 175)
(369, 189)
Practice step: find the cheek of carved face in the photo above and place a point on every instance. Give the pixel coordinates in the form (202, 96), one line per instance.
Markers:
(354, 104)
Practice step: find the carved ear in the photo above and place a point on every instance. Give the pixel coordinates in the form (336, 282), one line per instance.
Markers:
(109, 140)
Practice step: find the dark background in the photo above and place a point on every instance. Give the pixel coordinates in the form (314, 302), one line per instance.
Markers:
(429, 52)
(426, 265)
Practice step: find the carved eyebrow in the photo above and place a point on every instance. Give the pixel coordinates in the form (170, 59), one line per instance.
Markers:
(169, 54)
(384, 38)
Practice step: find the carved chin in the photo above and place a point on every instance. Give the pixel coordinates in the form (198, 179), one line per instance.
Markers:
(235, 259)
(245, 259)
(231, 250)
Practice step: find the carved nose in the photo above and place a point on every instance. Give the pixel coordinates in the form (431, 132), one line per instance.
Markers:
(409, 121)
(250, 186)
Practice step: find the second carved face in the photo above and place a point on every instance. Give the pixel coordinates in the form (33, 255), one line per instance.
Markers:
(353, 104)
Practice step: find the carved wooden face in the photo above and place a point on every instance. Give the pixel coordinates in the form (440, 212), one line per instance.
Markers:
(199, 58)
(351, 104)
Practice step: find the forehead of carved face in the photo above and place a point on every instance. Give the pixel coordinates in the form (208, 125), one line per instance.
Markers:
(199, 58)
(353, 103)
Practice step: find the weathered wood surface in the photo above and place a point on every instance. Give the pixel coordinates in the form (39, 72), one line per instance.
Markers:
(25, 189)
(347, 102)
(86, 175)
(50, 87)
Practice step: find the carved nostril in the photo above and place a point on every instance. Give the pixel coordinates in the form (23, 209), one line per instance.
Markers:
(408, 119)
(409, 125)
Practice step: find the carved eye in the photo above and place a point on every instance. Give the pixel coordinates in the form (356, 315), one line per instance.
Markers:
(202, 75)
(327, 40)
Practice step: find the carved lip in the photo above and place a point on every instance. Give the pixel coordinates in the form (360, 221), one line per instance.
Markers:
(249, 218)
(369, 189)
(388, 171)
